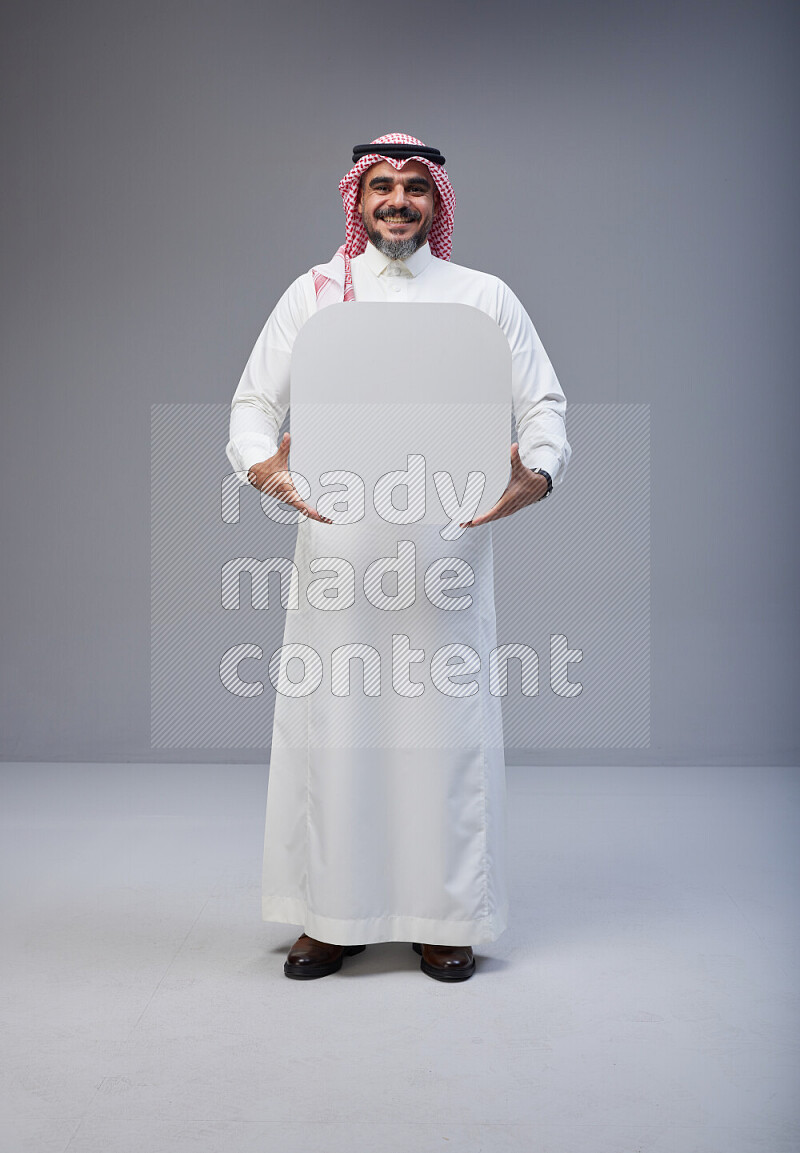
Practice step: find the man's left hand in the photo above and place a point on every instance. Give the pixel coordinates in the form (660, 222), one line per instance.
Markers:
(524, 487)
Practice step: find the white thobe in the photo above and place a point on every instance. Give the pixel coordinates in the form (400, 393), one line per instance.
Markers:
(386, 816)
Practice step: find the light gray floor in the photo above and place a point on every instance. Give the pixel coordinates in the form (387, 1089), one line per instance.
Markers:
(643, 999)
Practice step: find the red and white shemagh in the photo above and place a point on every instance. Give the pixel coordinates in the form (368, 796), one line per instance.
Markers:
(333, 282)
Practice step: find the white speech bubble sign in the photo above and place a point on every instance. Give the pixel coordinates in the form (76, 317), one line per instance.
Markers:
(404, 402)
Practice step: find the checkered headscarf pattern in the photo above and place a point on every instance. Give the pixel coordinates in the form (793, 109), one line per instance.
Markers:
(440, 236)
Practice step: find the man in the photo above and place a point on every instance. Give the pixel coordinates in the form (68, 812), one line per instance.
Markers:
(390, 824)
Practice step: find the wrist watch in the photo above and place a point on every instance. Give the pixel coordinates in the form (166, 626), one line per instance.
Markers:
(549, 480)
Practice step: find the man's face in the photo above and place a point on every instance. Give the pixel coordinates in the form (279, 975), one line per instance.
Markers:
(397, 206)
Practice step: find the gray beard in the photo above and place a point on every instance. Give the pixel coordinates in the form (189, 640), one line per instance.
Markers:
(396, 249)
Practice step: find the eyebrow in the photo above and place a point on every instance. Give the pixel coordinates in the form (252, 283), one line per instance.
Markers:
(409, 180)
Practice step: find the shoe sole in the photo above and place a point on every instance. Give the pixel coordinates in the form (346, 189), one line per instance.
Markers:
(439, 974)
(312, 972)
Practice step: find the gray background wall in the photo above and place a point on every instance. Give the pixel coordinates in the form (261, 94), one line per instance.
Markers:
(629, 169)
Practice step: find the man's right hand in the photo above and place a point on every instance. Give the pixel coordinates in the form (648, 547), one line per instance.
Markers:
(272, 476)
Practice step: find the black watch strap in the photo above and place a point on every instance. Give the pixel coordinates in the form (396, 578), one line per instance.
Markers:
(548, 478)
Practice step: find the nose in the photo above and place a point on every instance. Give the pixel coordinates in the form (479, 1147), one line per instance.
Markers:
(398, 196)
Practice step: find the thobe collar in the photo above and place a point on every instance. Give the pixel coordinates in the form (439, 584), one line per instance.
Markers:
(378, 262)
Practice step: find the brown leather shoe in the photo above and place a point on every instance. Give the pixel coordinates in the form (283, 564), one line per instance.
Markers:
(309, 958)
(446, 962)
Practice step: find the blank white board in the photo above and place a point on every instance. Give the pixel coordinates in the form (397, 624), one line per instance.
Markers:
(377, 386)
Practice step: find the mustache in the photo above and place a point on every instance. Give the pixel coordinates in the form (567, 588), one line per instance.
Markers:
(409, 214)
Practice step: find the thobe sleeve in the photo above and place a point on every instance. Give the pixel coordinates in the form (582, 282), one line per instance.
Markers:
(538, 401)
(261, 399)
